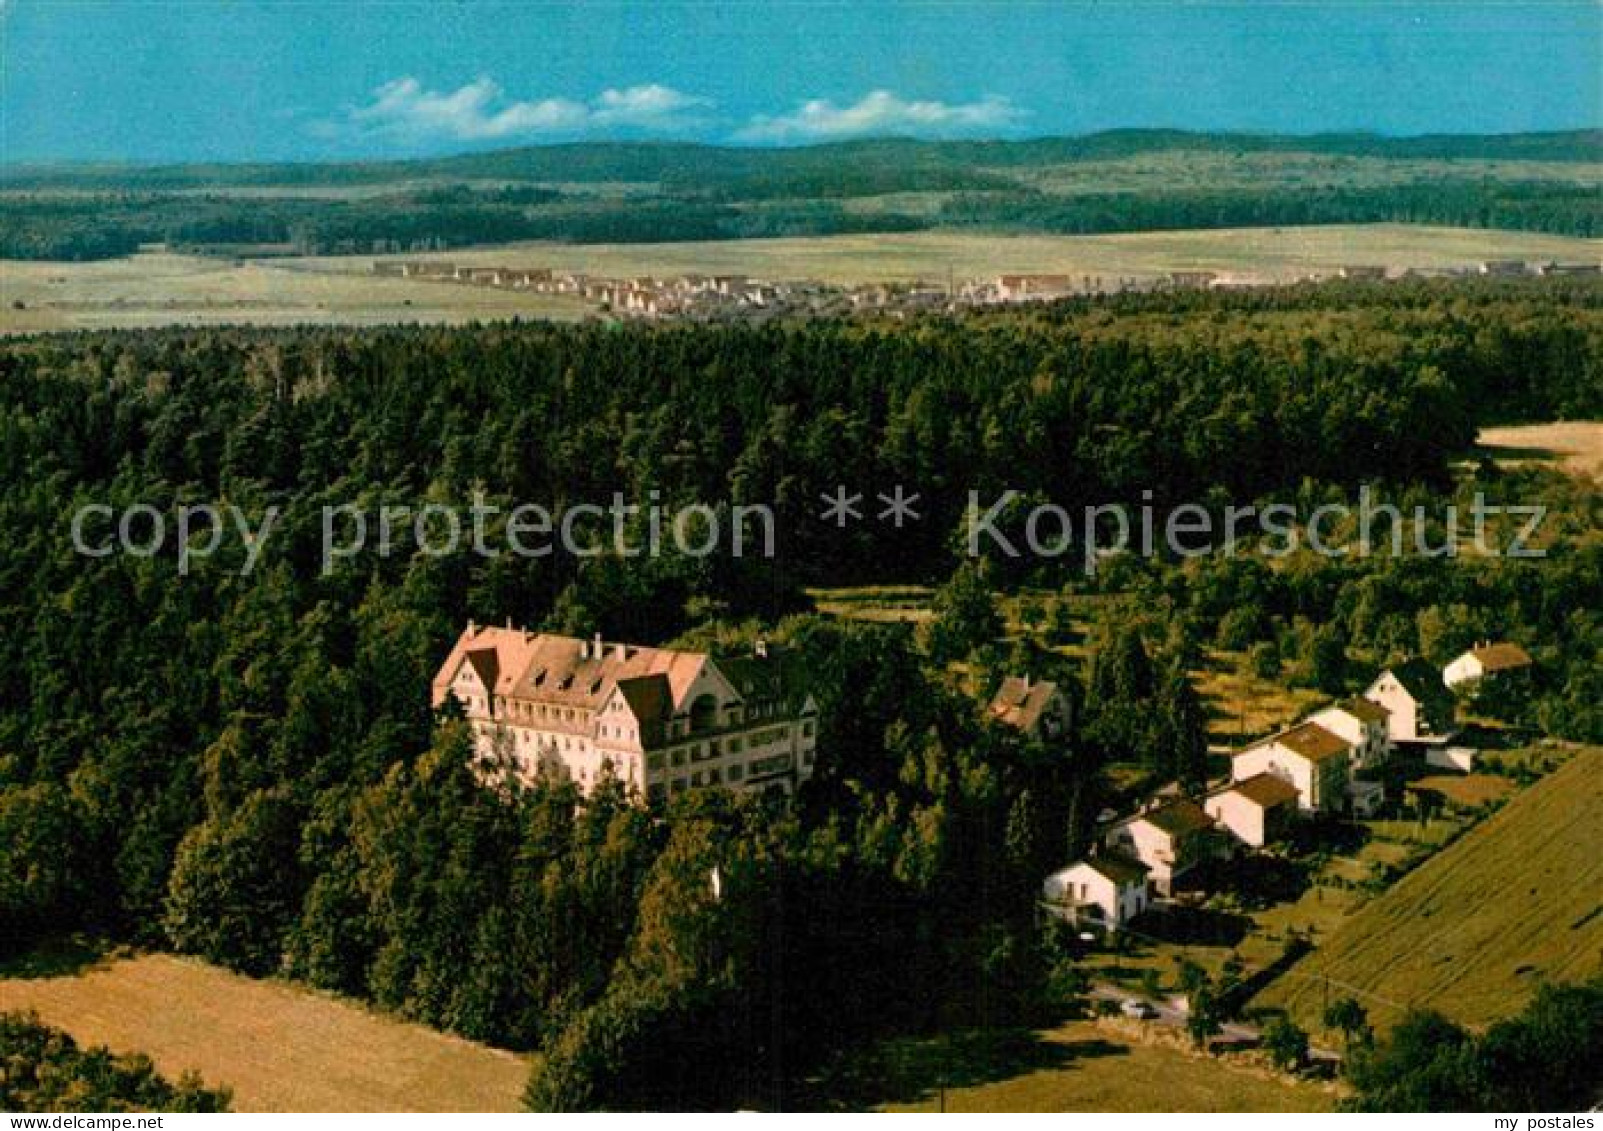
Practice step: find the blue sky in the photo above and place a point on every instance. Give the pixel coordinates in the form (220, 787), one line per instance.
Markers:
(212, 80)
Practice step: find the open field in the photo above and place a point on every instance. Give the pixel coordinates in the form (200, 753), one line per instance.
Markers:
(156, 289)
(1576, 445)
(1081, 1066)
(1474, 930)
(1242, 705)
(163, 289)
(1276, 252)
(278, 1047)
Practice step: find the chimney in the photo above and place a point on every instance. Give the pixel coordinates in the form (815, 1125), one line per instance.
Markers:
(620, 652)
(760, 649)
(473, 628)
(509, 624)
(1026, 681)
(597, 653)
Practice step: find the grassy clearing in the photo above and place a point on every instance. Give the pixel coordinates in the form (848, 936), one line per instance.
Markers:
(1472, 932)
(1241, 705)
(163, 289)
(1576, 445)
(279, 1047)
(1081, 1066)
(1467, 790)
(1276, 252)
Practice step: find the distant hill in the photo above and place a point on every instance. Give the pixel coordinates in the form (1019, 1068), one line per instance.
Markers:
(1474, 930)
(679, 162)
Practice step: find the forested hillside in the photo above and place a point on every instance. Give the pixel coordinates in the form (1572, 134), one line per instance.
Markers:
(244, 766)
(609, 193)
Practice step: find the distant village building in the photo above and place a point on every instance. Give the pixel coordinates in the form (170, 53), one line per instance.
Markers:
(1315, 761)
(1033, 286)
(1365, 272)
(1502, 268)
(1104, 891)
(662, 721)
(1170, 839)
(1192, 278)
(1420, 706)
(1570, 269)
(1486, 661)
(1038, 708)
(1256, 810)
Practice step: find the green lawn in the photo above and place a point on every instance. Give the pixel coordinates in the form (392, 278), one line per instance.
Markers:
(1080, 1066)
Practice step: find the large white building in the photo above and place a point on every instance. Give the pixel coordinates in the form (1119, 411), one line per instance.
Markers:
(661, 721)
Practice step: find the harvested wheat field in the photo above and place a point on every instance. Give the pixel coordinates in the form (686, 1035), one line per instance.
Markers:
(279, 1047)
(1473, 932)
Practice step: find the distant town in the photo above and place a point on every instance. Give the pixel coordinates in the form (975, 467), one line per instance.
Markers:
(710, 297)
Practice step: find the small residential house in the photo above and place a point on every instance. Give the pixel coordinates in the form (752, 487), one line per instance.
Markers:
(1103, 890)
(1037, 707)
(1170, 838)
(1362, 724)
(1315, 761)
(1420, 706)
(1255, 811)
(1486, 661)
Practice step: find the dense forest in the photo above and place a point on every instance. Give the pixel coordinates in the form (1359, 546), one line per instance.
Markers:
(630, 193)
(100, 226)
(685, 163)
(243, 765)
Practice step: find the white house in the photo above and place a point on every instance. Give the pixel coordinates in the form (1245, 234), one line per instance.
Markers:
(1103, 890)
(1255, 811)
(1362, 724)
(1315, 761)
(661, 721)
(1420, 706)
(1486, 660)
(1170, 839)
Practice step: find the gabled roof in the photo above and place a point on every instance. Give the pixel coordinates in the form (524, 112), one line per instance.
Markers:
(1365, 709)
(1113, 866)
(1422, 681)
(561, 670)
(1308, 740)
(1020, 701)
(1501, 657)
(650, 700)
(1264, 790)
(1177, 818)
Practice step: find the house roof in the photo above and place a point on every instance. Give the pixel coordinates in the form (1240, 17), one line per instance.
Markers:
(1116, 867)
(1309, 740)
(1020, 701)
(1177, 818)
(1422, 681)
(562, 669)
(1265, 790)
(1365, 709)
(1501, 657)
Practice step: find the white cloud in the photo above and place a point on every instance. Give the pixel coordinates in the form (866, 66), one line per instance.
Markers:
(880, 112)
(405, 110)
(651, 105)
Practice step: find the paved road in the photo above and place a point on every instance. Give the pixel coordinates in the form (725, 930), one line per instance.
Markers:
(1173, 1015)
